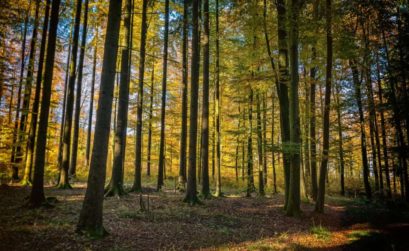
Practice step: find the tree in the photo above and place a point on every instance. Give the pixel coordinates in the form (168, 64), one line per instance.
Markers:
(163, 106)
(36, 103)
(115, 187)
(64, 181)
(74, 152)
(319, 205)
(205, 107)
(217, 107)
(293, 205)
(27, 96)
(282, 91)
(148, 164)
(37, 197)
(183, 133)
(191, 194)
(137, 185)
(250, 175)
(90, 220)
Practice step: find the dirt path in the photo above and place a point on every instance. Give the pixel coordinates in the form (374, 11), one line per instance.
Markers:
(229, 223)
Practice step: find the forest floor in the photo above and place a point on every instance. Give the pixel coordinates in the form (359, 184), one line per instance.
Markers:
(229, 223)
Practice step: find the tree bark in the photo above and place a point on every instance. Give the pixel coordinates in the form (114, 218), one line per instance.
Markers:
(64, 180)
(115, 187)
(205, 107)
(137, 185)
(90, 221)
(148, 167)
(191, 194)
(37, 197)
(163, 107)
(250, 175)
(74, 149)
(36, 103)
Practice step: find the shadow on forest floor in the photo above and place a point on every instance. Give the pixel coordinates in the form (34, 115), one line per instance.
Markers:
(232, 222)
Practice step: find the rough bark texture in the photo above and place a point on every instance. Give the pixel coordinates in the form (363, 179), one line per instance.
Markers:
(91, 103)
(90, 221)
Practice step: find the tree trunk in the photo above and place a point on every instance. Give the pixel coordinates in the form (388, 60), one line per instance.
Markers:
(191, 194)
(34, 118)
(91, 102)
(137, 185)
(293, 205)
(148, 167)
(64, 181)
(37, 197)
(218, 192)
(27, 97)
(250, 176)
(115, 187)
(183, 133)
(282, 91)
(205, 107)
(358, 95)
(15, 166)
(163, 107)
(90, 221)
(340, 141)
(74, 149)
(260, 148)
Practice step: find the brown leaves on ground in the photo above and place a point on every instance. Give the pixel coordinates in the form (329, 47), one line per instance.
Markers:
(167, 223)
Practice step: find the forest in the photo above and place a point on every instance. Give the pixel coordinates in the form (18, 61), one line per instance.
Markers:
(204, 124)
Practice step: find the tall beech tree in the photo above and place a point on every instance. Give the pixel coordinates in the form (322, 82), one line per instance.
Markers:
(37, 197)
(90, 221)
(205, 107)
(76, 125)
(162, 156)
(137, 185)
(115, 187)
(191, 194)
(64, 181)
(319, 205)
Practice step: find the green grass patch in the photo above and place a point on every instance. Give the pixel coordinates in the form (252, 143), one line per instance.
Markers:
(320, 232)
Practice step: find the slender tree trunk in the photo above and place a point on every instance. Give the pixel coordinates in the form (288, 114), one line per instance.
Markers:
(74, 149)
(250, 176)
(163, 107)
(191, 194)
(137, 185)
(282, 90)
(217, 106)
(183, 133)
(272, 142)
(383, 131)
(90, 221)
(148, 167)
(115, 187)
(64, 105)
(36, 103)
(205, 108)
(27, 97)
(37, 197)
(293, 205)
(264, 139)
(64, 181)
(15, 166)
(312, 107)
(91, 102)
(358, 95)
(260, 148)
(340, 141)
